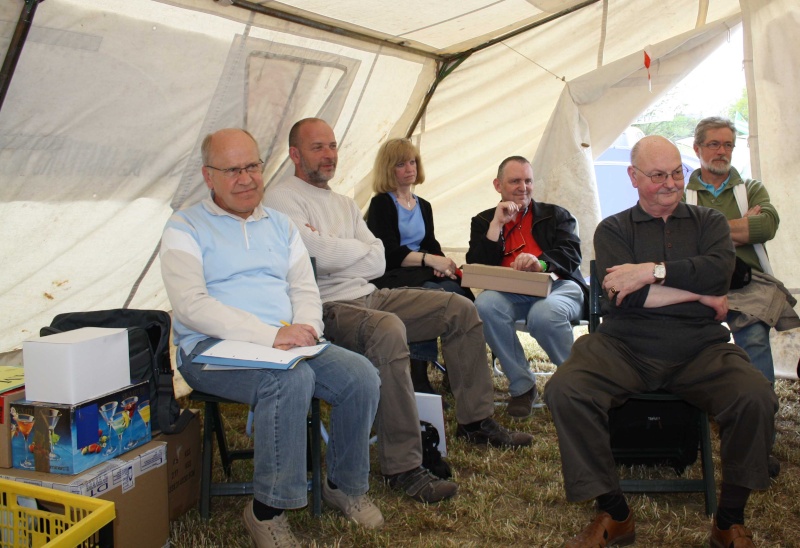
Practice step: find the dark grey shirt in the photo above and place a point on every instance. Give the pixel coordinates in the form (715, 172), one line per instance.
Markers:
(695, 245)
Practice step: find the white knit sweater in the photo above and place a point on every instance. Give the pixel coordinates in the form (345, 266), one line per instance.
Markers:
(348, 255)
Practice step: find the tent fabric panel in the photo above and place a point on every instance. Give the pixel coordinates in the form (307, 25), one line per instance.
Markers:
(770, 38)
(93, 143)
(112, 98)
(442, 28)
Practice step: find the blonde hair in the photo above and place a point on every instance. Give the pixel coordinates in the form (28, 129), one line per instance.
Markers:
(390, 154)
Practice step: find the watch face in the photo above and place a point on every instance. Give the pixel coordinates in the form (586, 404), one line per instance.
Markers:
(659, 272)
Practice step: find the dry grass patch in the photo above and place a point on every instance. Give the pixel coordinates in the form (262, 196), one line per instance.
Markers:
(516, 498)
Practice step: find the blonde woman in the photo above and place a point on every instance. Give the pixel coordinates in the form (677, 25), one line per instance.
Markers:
(404, 223)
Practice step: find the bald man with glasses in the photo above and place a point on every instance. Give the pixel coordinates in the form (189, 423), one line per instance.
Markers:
(536, 237)
(664, 267)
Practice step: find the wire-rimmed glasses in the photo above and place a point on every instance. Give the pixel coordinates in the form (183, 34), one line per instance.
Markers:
(234, 172)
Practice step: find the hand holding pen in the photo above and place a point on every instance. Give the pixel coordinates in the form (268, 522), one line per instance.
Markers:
(291, 335)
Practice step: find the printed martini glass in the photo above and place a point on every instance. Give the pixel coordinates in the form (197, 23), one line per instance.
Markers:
(25, 425)
(107, 410)
(119, 422)
(51, 417)
(144, 412)
(129, 408)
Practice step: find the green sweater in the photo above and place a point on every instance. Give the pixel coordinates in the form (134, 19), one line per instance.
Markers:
(762, 227)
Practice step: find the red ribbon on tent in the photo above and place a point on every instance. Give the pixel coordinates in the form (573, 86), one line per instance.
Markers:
(647, 66)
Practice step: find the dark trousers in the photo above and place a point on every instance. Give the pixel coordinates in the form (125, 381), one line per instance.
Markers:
(601, 373)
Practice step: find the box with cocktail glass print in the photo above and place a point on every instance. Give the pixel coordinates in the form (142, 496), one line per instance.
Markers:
(64, 438)
(6, 399)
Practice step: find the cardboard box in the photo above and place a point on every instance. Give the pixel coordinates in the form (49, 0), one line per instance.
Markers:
(183, 467)
(503, 278)
(5, 424)
(68, 439)
(75, 366)
(137, 485)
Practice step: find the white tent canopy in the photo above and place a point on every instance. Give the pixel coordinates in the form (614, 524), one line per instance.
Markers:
(101, 125)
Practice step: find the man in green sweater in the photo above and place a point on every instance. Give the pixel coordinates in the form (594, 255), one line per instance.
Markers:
(753, 221)
(763, 302)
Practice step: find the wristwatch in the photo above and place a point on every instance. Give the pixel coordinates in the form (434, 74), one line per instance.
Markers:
(659, 272)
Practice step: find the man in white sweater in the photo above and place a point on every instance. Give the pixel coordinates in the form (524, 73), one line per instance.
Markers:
(381, 323)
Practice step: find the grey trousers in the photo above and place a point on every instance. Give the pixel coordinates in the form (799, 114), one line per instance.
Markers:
(601, 373)
(380, 326)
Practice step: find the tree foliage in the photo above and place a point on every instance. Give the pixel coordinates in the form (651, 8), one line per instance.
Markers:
(740, 107)
(679, 127)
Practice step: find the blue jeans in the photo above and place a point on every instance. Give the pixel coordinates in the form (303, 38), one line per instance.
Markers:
(754, 339)
(548, 320)
(281, 399)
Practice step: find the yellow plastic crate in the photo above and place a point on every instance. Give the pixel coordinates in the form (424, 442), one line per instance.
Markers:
(71, 520)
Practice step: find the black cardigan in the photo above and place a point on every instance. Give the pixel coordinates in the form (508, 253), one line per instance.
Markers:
(383, 221)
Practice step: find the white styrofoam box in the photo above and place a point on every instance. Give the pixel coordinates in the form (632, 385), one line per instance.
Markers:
(429, 409)
(77, 365)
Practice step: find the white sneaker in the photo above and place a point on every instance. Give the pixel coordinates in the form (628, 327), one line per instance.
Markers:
(272, 533)
(359, 508)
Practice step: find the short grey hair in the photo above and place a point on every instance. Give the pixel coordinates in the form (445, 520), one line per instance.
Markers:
(712, 122)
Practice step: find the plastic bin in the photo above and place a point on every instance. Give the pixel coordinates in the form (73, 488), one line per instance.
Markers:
(58, 519)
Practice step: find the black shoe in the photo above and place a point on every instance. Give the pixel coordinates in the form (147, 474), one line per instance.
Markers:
(422, 486)
(419, 377)
(491, 433)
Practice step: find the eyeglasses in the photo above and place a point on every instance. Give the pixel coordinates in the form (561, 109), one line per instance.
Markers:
(714, 145)
(518, 248)
(234, 172)
(659, 177)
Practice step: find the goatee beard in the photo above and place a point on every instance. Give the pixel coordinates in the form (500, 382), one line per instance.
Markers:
(713, 168)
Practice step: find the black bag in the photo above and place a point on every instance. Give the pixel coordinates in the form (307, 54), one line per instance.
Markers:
(431, 457)
(148, 345)
(742, 273)
(654, 433)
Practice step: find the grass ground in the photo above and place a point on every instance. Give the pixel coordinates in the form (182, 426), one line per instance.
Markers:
(516, 498)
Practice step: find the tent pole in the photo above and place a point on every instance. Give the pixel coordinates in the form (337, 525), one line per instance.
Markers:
(300, 20)
(526, 28)
(445, 69)
(451, 62)
(15, 46)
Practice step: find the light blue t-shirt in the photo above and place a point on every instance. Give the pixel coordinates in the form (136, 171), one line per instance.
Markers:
(411, 225)
(715, 191)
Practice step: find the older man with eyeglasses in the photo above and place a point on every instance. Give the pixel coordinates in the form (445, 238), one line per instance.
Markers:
(664, 267)
(236, 270)
(753, 221)
(754, 291)
(535, 237)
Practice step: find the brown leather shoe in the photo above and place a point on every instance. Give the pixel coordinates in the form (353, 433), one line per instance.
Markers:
(738, 536)
(520, 407)
(604, 531)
